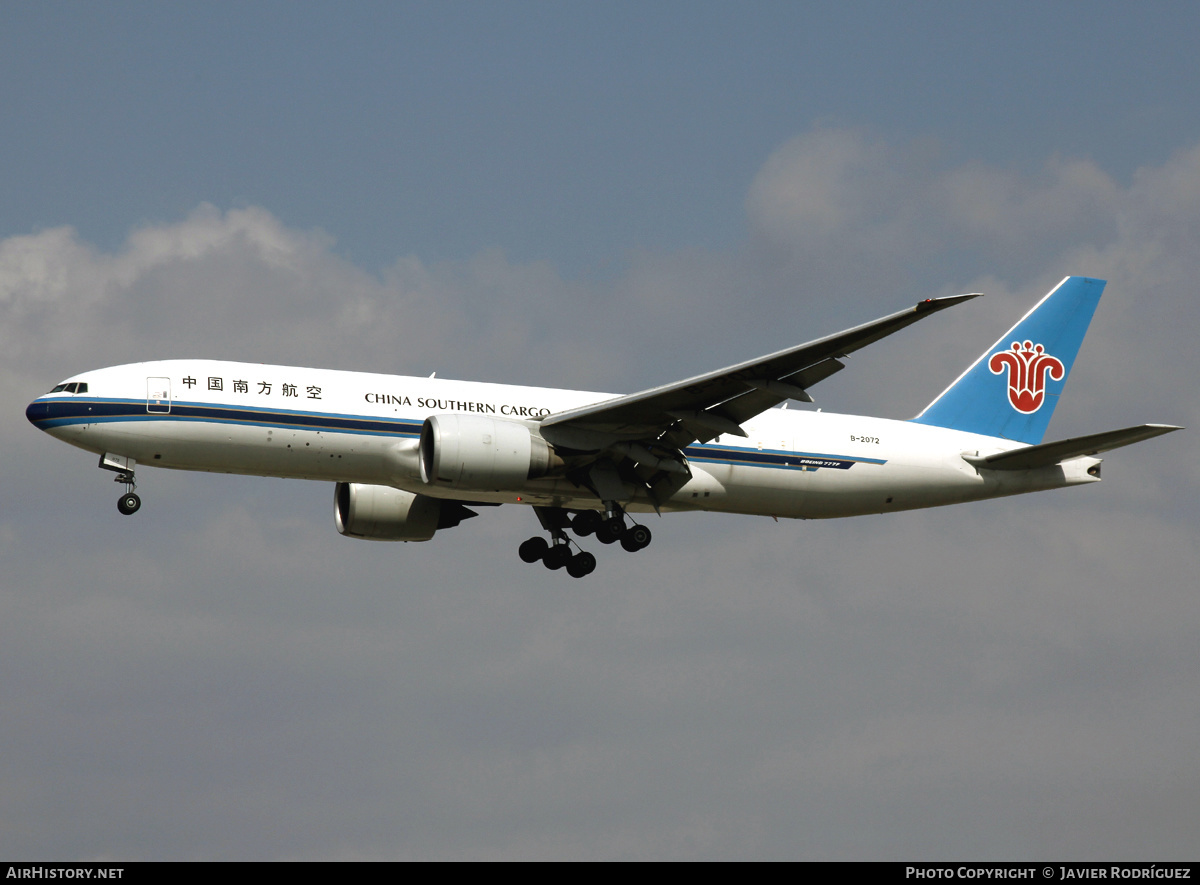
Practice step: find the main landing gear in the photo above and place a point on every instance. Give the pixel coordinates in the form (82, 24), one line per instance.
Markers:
(129, 502)
(608, 527)
(557, 555)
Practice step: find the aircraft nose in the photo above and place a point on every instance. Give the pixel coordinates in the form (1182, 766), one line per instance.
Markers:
(36, 411)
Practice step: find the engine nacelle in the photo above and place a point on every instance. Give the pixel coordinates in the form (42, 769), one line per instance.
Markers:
(382, 513)
(482, 454)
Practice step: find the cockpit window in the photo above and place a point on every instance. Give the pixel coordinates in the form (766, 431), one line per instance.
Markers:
(59, 388)
(81, 387)
(73, 387)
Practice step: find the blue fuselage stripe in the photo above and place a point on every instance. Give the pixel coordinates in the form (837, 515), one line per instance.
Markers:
(58, 413)
(49, 413)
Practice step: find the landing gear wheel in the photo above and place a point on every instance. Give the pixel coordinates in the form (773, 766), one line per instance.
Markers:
(582, 563)
(605, 535)
(586, 522)
(635, 538)
(557, 556)
(129, 503)
(533, 549)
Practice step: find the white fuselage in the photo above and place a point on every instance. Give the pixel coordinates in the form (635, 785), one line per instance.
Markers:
(250, 418)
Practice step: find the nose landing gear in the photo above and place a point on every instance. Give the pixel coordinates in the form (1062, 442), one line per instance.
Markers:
(129, 502)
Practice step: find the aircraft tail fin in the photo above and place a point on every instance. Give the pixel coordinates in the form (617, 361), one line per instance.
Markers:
(1012, 389)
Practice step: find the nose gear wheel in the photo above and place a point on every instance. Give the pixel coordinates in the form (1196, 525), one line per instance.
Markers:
(129, 502)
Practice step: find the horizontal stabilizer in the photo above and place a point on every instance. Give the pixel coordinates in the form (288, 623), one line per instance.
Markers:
(1049, 454)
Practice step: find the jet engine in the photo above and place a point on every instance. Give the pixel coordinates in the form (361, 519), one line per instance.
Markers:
(482, 454)
(382, 513)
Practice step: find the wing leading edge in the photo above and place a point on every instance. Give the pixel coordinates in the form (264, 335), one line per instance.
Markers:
(708, 405)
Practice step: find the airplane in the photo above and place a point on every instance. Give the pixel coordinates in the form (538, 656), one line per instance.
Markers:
(410, 456)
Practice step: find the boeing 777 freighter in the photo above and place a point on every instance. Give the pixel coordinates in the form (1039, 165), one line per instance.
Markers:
(411, 456)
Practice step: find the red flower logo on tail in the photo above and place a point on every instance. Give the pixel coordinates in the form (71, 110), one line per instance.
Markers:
(1027, 365)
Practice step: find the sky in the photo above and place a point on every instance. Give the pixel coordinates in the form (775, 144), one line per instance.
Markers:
(606, 197)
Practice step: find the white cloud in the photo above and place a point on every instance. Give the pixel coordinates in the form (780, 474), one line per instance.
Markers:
(839, 205)
(239, 285)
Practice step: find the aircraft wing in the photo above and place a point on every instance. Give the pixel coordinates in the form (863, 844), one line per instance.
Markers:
(1049, 454)
(709, 405)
